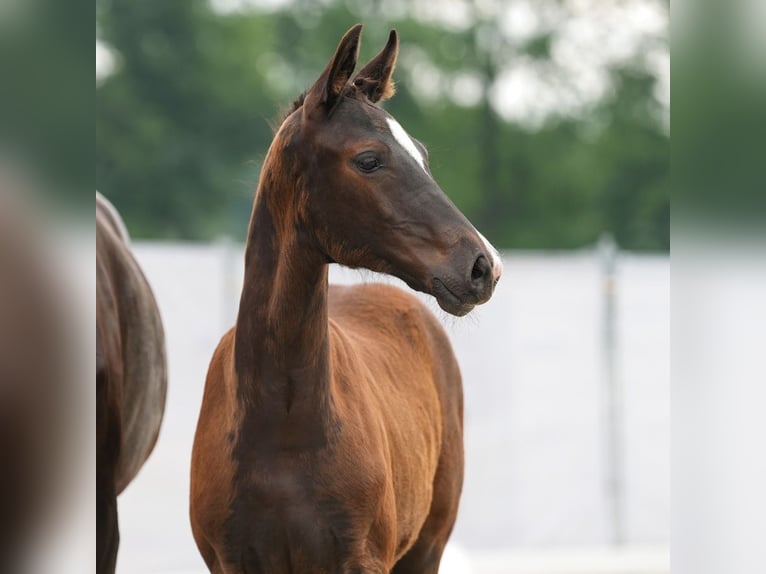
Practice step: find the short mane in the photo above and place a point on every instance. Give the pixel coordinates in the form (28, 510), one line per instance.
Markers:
(297, 103)
(349, 91)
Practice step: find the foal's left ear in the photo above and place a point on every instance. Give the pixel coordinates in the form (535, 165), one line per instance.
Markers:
(374, 80)
(327, 89)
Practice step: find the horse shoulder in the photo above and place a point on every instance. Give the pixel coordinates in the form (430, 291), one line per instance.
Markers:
(409, 378)
(212, 463)
(382, 311)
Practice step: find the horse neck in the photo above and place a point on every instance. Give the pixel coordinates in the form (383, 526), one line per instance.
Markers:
(281, 342)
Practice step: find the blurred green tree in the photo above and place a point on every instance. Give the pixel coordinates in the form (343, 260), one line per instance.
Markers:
(183, 119)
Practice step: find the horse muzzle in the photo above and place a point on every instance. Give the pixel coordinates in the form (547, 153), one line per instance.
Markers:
(459, 295)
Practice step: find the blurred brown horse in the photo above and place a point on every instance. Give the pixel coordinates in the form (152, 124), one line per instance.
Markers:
(37, 371)
(131, 377)
(330, 438)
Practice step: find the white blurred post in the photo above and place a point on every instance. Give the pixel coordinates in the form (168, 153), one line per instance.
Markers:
(229, 261)
(614, 444)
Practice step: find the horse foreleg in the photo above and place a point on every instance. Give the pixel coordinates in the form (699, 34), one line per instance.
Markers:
(108, 533)
(423, 558)
(426, 554)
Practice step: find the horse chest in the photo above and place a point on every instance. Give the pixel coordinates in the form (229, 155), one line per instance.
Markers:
(296, 518)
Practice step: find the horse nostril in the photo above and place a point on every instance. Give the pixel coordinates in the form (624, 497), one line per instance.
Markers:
(480, 270)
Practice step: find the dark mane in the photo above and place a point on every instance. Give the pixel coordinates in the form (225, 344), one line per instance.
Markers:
(349, 91)
(297, 103)
(277, 122)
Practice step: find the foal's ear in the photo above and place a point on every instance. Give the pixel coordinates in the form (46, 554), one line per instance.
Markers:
(374, 80)
(327, 89)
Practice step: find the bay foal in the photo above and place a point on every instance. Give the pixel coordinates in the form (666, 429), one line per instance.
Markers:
(330, 434)
(131, 377)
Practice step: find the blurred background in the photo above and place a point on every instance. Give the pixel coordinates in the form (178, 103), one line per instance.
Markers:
(547, 121)
(548, 124)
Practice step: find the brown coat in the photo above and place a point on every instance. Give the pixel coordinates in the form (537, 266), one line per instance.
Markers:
(330, 434)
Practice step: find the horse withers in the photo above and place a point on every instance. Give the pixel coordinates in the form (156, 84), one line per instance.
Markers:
(131, 374)
(330, 437)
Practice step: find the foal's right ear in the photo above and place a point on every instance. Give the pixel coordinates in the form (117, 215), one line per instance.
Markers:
(324, 94)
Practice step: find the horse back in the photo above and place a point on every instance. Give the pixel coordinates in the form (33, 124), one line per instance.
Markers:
(131, 374)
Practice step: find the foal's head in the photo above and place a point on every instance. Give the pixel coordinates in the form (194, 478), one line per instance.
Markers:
(365, 194)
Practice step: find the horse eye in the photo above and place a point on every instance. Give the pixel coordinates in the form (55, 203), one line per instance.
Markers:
(367, 163)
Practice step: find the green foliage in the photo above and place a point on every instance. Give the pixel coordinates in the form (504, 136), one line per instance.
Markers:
(184, 121)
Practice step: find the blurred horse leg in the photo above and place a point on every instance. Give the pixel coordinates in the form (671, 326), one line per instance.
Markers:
(108, 533)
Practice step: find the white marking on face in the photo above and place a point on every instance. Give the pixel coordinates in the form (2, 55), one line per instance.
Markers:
(406, 142)
(497, 262)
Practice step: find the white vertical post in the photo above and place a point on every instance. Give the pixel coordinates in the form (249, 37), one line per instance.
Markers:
(228, 281)
(614, 444)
